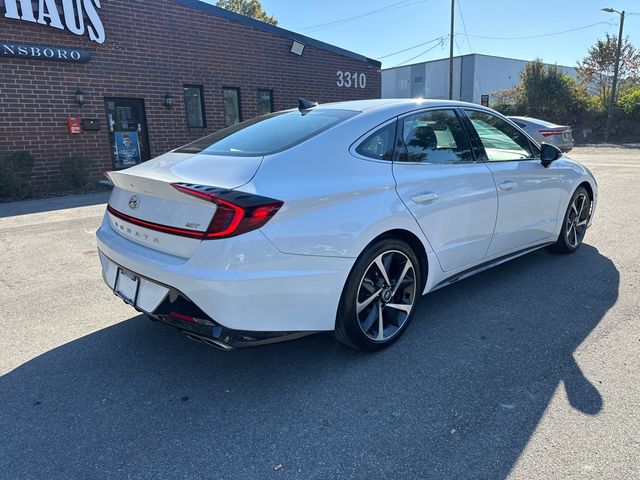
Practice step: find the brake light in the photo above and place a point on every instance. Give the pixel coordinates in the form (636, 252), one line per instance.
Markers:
(548, 133)
(236, 212)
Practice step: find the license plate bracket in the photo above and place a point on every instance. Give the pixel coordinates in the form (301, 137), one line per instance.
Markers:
(127, 286)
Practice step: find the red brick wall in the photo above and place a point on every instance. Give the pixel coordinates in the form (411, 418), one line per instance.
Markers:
(152, 47)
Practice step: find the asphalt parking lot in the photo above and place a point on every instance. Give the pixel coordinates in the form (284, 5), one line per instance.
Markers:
(529, 370)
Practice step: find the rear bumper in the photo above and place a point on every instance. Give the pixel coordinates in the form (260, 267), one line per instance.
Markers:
(244, 286)
(562, 144)
(177, 310)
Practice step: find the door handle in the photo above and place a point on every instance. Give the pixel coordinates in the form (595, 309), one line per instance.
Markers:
(507, 185)
(424, 198)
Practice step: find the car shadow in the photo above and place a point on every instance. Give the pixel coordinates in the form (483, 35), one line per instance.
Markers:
(459, 396)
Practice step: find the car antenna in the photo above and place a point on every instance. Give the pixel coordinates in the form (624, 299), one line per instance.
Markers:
(304, 104)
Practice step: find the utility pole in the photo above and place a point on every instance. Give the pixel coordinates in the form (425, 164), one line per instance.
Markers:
(614, 85)
(451, 51)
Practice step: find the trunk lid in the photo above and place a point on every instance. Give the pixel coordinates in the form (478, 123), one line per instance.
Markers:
(557, 131)
(145, 208)
(216, 170)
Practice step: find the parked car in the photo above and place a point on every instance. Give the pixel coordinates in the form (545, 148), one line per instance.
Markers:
(334, 218)
(559, 135)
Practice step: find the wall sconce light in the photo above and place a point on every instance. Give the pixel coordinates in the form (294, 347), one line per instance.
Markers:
(168, 101)
(297, 48)
(79, 97)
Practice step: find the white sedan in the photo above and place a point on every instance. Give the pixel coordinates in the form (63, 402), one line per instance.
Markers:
(334, 218)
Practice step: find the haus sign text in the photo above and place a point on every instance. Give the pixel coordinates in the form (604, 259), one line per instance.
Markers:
(79, 17)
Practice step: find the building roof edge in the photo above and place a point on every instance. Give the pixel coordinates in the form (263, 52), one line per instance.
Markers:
(266, 27)
(472, 55)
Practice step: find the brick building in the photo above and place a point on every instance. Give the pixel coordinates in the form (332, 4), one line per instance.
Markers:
(122, 81)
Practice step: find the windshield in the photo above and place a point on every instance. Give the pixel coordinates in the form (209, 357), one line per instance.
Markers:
(268, 134)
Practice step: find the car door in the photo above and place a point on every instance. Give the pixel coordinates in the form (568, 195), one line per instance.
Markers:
(452, 197)
(528, 193)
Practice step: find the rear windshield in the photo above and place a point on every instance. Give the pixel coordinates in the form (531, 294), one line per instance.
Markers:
(268, 134)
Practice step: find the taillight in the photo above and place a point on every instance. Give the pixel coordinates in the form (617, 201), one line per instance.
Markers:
(236, 212)
(548, 133)
(184, 318)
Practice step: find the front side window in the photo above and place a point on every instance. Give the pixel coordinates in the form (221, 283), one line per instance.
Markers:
(379, 145)
(232, 112)
(501, 141)
(268, 134)
(435, 136)
(265, 102)
(194, 106)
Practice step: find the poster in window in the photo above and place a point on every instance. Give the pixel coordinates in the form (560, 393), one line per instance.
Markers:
(127, 148)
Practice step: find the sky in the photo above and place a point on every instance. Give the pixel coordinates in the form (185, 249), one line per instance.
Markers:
(377, 28)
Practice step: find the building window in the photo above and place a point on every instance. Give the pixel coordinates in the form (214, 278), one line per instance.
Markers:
(232, 112)
(194, 106)
(265, 102)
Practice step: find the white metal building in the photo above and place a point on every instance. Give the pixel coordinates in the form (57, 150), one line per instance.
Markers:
(474, 75)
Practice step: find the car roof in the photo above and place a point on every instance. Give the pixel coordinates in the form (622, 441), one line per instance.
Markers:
(394, 106)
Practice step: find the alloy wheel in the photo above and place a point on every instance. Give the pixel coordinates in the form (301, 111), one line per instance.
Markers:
(386, 295)
(577, 220)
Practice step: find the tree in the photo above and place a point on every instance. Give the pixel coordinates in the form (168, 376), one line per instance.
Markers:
(250, 8)
(544, 91)
(596, 69)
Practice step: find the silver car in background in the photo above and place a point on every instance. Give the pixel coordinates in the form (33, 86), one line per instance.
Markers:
(547, 132)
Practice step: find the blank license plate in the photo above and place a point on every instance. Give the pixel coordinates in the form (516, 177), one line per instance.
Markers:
(127, 286)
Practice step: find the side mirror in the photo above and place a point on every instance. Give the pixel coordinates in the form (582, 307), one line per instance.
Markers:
(549, 153)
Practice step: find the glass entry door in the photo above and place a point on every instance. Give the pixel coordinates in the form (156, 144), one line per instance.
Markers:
(127, 124)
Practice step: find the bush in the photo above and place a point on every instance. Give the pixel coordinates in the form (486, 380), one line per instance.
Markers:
(75, 172)
(15, 173)
(630, 102)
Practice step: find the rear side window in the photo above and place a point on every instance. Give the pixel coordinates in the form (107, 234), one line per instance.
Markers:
(268, 134)
(435, 136)
(379, 145)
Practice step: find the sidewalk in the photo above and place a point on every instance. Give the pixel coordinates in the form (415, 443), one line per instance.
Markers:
(26, 207)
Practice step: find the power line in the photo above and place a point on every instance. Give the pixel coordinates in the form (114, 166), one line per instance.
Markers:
(412, 47)
(346, 19)
(334, 23)
(539, 36)
(455, 41)
(464, 26)
(423, 53)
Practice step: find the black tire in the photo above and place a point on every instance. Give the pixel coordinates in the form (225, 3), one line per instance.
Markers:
(365, 281)
(574, 223)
